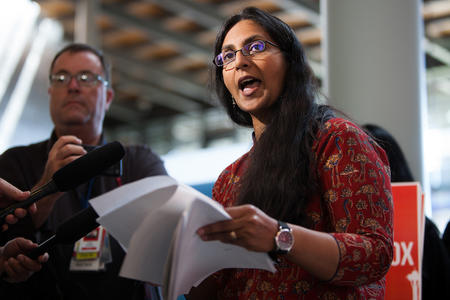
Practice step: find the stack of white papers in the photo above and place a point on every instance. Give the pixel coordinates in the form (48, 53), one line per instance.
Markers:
(156, 219)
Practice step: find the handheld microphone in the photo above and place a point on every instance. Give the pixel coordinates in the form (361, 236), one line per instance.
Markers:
(73, 174)
(69, 231)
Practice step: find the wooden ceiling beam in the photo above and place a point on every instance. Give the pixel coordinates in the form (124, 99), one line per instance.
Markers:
(57, 9)
(435, 9)
(438, 29)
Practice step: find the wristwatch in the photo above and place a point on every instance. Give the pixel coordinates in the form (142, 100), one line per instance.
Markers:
(284, 240)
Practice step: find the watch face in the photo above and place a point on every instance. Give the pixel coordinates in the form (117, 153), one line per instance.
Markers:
(285, 240)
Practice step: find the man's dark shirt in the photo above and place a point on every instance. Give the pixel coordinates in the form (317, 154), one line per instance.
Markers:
(23, 167)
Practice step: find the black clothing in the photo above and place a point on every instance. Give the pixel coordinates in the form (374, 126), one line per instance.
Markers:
(446, 238)
(435, 265)
(23, 167)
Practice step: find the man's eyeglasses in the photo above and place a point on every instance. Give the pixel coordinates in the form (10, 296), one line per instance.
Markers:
(84, 78)
(252, 48)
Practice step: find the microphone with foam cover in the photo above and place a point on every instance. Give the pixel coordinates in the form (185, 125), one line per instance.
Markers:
(69, 231)
(73, 174)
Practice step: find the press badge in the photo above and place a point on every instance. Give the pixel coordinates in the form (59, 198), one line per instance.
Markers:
(91, 252)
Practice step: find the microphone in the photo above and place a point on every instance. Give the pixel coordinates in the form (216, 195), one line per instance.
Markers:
(73, 174)
(69, 231)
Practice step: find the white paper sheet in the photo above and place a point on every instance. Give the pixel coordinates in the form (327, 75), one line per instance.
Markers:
(194, 260)
(122, 210)
(156, 219)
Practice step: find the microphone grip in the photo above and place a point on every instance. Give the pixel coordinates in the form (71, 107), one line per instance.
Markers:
(42, 248)
(49, 188)
(70, 231)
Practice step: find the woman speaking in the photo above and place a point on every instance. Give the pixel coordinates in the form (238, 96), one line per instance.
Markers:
(314, 190)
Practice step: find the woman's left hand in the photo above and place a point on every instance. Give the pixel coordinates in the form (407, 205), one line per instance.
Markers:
(249, 227)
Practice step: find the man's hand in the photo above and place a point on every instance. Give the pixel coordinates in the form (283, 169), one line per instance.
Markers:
(15, 266)
(65, 150)
(8, 195)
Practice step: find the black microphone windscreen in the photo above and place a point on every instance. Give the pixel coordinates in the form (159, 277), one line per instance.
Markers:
(77, 226)
(88, 166)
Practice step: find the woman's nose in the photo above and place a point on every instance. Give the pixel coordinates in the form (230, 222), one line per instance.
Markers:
(241, 60)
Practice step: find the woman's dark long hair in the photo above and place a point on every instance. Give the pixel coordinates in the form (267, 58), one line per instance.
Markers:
(281, 174)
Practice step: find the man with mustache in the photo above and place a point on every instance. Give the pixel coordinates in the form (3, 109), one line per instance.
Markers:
(80, 94)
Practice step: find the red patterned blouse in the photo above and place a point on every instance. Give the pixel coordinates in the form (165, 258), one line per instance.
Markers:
(354, 205)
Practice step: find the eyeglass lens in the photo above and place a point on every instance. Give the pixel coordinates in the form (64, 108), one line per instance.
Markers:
(248, 49)
(83, 78)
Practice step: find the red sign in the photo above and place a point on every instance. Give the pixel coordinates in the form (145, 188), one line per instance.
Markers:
(403, 280)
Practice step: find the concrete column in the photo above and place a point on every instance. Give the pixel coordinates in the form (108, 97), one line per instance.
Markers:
(85, 25)
(375, 70)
